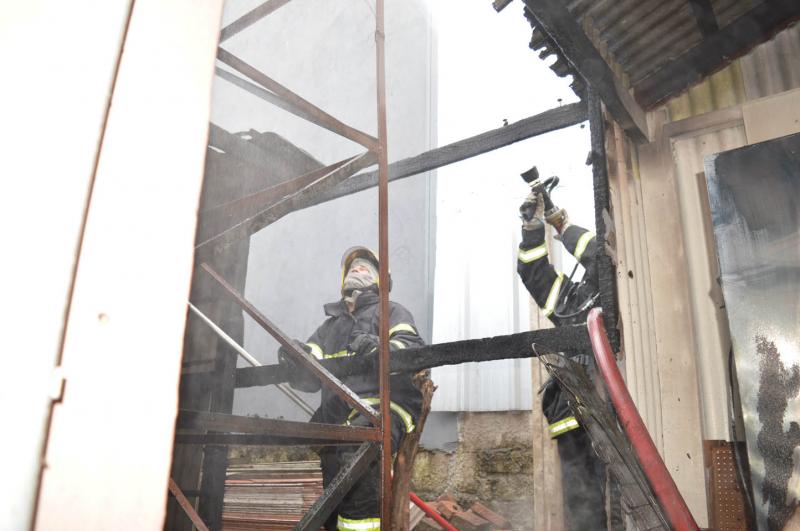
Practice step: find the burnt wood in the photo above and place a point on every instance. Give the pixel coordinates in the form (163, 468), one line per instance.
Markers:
(253, 439)
(524, 345)
(221, 422)
(704, 15)
(604, 223)
(555, 20)
(716, 51)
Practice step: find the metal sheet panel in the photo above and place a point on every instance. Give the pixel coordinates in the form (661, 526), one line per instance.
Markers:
(754, 192)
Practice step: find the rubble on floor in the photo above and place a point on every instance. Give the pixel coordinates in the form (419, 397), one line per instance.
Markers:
(270, 496)
(477, 517)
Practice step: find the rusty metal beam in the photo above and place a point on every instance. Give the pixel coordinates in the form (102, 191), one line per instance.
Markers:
(254, 439)
(306, 109)
(309, 362)
(515, 346)
(222, 422)
(559, 24)
(341, 485)
(250, 18)
(216, 244)
(186, 506)
(383, 266)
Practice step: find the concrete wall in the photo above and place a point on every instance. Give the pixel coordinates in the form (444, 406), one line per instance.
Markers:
(493, 464)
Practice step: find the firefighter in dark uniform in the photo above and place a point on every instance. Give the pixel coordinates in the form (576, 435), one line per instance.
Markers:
(351, 329)
(565, 302)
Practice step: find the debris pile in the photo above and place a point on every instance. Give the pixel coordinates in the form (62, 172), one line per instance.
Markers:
(272, 496)
(477, 517)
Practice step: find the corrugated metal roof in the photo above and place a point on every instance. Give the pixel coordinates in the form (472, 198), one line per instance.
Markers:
(639, 37)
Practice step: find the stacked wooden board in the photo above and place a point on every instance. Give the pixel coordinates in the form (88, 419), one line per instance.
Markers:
(270, 496)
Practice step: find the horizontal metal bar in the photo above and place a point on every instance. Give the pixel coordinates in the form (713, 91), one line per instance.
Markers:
(341, 485)
(294, 397)
(307, 110)
(254, 439)
(572, 338)
(312, 364)
(250, 18)
(215, 245)
(550, 120)
(208, 420)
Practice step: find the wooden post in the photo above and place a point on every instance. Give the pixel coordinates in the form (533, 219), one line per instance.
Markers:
(405, 455)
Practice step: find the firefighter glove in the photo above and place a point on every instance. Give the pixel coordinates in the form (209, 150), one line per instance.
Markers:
(299, 377)
(364, 343)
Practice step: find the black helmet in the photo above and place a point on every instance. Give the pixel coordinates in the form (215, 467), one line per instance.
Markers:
(359, 251)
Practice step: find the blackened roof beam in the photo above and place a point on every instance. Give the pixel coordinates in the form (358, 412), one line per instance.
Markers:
(573, 338)
(717, 51)
(704, 15)
(553, 18)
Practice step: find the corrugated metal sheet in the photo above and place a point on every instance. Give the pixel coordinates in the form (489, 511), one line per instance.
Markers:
(638, 37)
(770, 68)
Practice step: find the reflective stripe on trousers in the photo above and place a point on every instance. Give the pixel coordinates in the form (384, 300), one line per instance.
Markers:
(563, 426)
(362, 523)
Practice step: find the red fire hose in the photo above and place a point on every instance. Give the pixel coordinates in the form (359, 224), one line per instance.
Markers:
(430, 512)
(660, 479)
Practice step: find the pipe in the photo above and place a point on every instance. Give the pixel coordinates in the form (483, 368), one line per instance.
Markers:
(657, 474)
(431, 512)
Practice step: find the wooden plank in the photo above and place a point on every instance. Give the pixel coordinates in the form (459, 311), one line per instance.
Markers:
(716, 51)
(681, 436)
(128, 306)
(772, 117)
(556, 21)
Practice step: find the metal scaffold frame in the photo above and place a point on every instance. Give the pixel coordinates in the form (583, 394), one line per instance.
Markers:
(342, 178)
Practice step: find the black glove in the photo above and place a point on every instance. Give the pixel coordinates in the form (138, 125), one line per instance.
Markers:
(363, 343)
(527, 210)
(300, 378)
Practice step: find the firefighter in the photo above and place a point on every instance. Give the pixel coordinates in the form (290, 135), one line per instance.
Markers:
(351, 329)
(565, 302)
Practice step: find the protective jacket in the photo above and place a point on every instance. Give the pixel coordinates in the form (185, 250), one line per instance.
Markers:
(565, 302)
(331, 340)
(558, 297)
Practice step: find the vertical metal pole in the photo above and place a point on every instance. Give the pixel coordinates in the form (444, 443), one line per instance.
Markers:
(383, 255)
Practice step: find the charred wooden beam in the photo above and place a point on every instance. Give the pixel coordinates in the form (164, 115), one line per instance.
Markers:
(716, 51)
(604, 223)
(555, 20)
(221, 422)
(524, 345)
(545, 122)
(704, 16)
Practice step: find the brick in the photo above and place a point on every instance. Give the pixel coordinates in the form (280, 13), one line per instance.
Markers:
(469, 521)
(447, 497)
(492, 517)
(448, 509)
